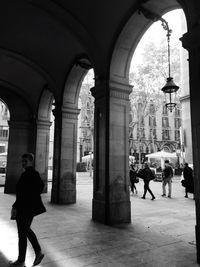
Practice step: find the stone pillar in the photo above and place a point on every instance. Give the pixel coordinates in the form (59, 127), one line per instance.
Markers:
(21, 140)
(111, 200)
(64, 180)
(191, 41)
(56, 154)
(42, 150)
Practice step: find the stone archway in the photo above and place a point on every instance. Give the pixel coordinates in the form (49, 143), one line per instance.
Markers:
(65, 143)
(21, 135)
(120, 65)
(43, 133)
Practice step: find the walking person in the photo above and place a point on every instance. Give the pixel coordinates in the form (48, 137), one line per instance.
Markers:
(188, 181)
(133, 179)
(27, 205)
(167, 179)
(147, 175)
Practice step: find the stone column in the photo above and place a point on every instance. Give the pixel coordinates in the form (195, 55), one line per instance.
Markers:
(111, 200)
(42, 150)
(191, 41)
(57, 112)
(64, 187)
(21, 136)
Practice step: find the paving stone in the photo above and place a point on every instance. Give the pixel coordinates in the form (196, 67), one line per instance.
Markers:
(161, 233)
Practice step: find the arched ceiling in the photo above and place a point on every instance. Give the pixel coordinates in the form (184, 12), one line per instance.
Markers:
(41, 39)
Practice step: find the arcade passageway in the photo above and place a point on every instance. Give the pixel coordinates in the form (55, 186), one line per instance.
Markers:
(162, 235)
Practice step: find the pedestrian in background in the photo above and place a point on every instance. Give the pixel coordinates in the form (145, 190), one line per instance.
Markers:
(27, 205)
(147, 175)
(167, 175)
(133, 178)
(188, 181)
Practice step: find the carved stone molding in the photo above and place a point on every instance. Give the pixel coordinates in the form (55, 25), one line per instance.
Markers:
(191, 40)
(19, 124)
(70, 113)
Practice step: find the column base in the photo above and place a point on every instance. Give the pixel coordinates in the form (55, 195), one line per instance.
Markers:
(115, 213)
(63, 197)
(197, 231)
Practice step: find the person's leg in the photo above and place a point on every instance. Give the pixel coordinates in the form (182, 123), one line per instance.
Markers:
(23, 226)
(33, 240)
(145, 189)
(135, 188)
(170, 187)
(186, 192)
(151, 193)
(36, 246)
(131, 185)
(163, 188)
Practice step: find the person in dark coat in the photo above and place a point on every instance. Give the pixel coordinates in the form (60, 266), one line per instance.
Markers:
(167, 175)
(27, 205)
(188, 180)
(133, 178)
(147, 175)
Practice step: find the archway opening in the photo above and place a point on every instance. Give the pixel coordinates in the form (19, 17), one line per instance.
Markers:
(153, 127)
(4, 134)
(85, 131)
(51, 147)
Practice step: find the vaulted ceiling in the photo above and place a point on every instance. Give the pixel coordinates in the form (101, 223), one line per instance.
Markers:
(40, 40)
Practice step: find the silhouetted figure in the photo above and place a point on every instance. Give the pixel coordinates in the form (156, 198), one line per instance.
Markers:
(147, 175)
(133, 178)
(188, 181)
(167, 179)
(27, 205)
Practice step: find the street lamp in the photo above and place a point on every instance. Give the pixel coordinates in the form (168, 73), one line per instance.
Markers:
(170, 87)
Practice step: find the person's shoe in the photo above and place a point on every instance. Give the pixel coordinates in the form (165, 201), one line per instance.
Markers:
(186, 196)
(143, 197)
(169, 196)
(153, 198)
(16, 264)
(163, 195)
(38, 258)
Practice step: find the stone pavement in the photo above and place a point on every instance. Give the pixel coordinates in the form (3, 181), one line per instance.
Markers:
(161, 233)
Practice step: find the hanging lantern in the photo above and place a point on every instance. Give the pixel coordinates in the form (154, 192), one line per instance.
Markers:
(170, 87)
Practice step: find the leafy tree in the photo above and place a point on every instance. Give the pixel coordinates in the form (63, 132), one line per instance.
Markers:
(149, 75)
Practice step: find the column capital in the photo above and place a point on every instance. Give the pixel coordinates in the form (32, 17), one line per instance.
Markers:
(43, 123)
(70, 113)
(112, 89)
(191, 40)
(19, 124)
(120, 90)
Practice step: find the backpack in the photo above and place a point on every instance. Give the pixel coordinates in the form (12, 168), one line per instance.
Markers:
(167, 172)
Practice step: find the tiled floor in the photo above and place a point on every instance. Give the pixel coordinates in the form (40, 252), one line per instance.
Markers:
(161, 233)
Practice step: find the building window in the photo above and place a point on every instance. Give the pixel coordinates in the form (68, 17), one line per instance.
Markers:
(165, 111)
(177, 135)
(177, 123)
(177, 112)
(152, 134)
(165, 135)
(152, 121)
(3, 132)
(152, 109)
(165, 122)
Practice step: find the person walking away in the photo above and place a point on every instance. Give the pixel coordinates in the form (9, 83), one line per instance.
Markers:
(167, 179)
(147, 175)
(188, 178)
(27, 205)
(133, 179)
